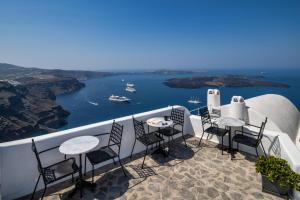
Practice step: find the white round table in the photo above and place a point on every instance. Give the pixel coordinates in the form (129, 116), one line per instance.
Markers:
(159, 122)
(78, 146)
(230, 122)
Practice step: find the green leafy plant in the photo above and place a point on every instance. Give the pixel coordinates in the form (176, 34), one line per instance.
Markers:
(278, 170)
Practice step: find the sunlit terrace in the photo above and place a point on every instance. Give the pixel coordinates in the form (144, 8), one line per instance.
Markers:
(185, 168)
(188, 173)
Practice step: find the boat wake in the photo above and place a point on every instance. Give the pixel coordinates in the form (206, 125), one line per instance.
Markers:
(93, 103)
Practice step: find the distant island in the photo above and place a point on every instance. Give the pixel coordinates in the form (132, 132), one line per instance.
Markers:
(221, 81)
(27, 99)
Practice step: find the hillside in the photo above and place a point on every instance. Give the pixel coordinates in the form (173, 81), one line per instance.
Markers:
(25, 111)
(27, 99)
(9, 71)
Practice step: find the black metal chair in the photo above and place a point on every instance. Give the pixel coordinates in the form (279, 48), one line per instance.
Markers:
(177, 116)
(212, 128)
(147, 139)
(107, 152)
(54, 172)
(250, 139)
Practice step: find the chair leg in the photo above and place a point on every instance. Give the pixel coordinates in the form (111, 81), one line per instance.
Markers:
(169, 145)
(145, 157)
(183, 139)
(44, 192)
(122, 167)
(222, 145)
(132, 149)
(72, 178)
(84, 165)
(263, 149)
(37, 182)
(93, 173)
(201, 139)
(114, 161)
(256, 151)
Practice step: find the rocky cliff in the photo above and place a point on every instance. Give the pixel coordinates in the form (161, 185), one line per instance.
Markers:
(24, 111)
(27, 99)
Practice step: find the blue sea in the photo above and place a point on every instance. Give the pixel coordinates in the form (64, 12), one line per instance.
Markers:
(91, 104)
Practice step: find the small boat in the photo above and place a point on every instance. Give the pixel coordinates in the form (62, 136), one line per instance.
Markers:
(194, 100)
(122, 80)
(130, 89)
(93, 103)
(130, 85)
(118, 98)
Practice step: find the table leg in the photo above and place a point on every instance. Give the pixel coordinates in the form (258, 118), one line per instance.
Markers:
(230, 145)
(160, 149)
(80, 182)
(80, 175)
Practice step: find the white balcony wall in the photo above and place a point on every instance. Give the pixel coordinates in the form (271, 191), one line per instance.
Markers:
(18, 166)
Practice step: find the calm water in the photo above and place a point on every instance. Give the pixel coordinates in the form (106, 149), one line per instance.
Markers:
(152, 93)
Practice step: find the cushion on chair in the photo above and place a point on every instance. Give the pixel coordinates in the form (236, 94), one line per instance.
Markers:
(244, 139)
(101, 155)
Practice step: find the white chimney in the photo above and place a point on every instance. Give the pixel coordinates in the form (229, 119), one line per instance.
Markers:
(213, 99)
(237, 107)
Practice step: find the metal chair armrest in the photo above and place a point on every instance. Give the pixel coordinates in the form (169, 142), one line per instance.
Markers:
(46, 150)
(245, 132)
(214, 125)
(176, 124)
(252, 125)
(101, 134)
(72, 158)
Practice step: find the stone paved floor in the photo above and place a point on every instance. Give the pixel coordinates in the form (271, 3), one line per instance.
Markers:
(189, 173)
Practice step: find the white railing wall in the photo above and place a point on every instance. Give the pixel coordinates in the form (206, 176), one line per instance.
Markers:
(18, 165)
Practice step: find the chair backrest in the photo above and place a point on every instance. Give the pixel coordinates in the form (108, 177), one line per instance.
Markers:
(139, 128)
(177, 116)
(205, 116)
(36, 153)
(261, 130)
(115, 137)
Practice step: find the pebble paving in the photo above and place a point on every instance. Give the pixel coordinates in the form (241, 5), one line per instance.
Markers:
(189, 173)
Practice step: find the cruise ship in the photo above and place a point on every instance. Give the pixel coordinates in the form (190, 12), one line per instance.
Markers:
(118, 98)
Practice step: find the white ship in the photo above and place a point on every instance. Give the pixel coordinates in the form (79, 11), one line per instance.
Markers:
(194, 100)
(130, 89)
(130, 85)
(118, 98)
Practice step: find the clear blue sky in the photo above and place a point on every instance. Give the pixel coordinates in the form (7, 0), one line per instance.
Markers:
(87, 34)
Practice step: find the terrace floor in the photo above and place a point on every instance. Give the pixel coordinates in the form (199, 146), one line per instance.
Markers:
(189, 173)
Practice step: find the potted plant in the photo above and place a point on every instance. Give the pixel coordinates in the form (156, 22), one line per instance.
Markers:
(277, 176)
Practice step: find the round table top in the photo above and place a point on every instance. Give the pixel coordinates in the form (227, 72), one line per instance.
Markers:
(230, 121)
(79, 145)
(159, 122)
